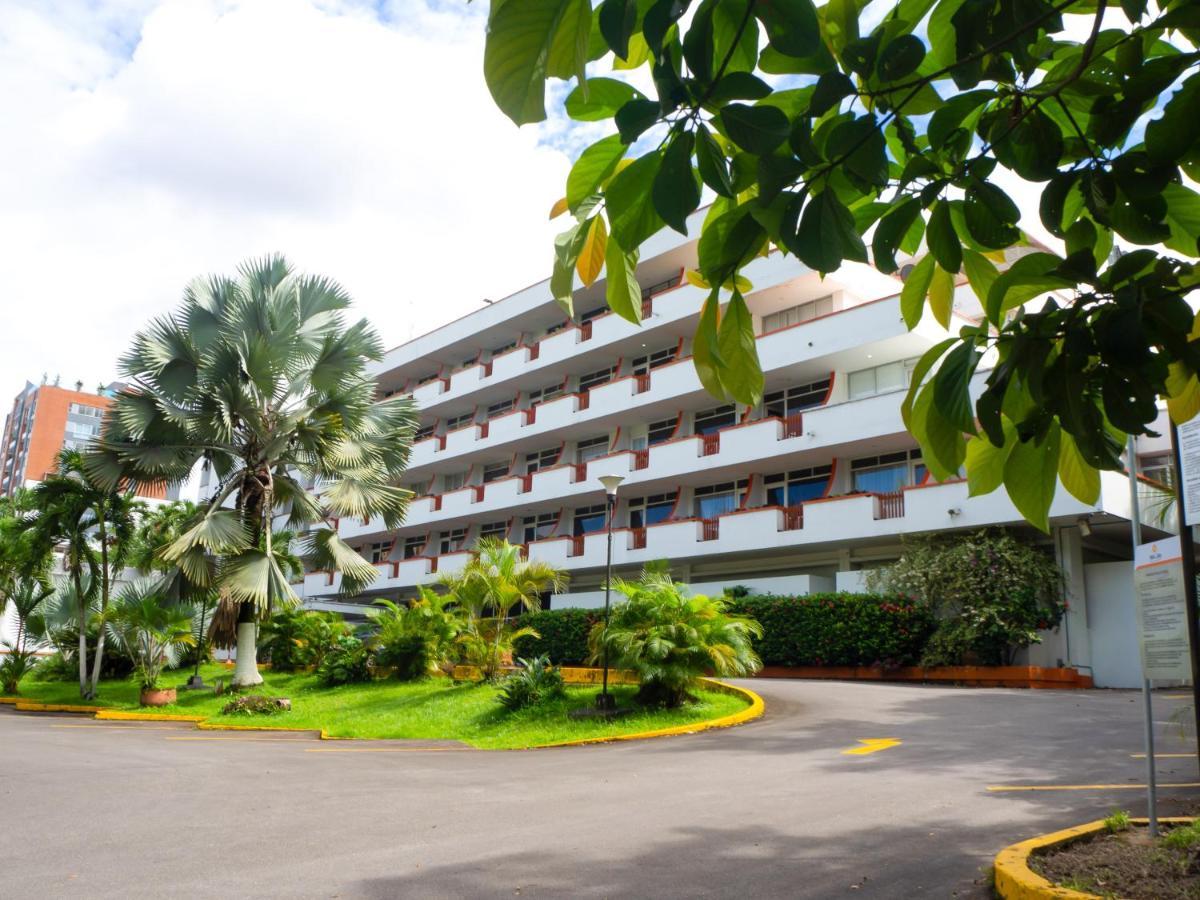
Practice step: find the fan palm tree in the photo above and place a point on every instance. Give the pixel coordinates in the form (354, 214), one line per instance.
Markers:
(24, 597)
(150, 630)
(259, 377)
(494, 581)
(92, 523)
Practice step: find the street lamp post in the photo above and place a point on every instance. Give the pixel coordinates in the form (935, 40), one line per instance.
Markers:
(605, 702)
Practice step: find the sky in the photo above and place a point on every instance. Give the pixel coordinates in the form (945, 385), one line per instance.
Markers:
(147, 142)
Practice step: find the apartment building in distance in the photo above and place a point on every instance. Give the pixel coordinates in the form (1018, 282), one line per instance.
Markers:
(46, 419)
(522, 410)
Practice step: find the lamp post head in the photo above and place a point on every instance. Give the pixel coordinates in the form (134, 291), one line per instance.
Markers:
(611, 483)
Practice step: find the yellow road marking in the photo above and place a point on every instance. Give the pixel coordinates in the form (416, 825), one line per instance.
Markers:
(872, 745)
(273, 740)
(1164, 755)
(1175, 696)
(388, 749)
(998, 788)
(131, 727)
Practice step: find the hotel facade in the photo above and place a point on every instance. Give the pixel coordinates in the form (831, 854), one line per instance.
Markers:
(522, 410)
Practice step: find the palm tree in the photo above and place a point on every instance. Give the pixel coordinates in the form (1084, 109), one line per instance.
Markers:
(672, 639)
(258, 377)
(150, 630)
(495, 581)
(93, 524)
(25, 597)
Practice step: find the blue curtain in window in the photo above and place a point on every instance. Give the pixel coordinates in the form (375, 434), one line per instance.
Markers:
(589, 523)
(715, 505)
(883, 480)
(659, 513)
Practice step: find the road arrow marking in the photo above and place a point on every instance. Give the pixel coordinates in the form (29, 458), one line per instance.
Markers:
(872, 745)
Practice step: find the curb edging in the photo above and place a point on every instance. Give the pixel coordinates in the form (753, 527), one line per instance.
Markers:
(1014, 880)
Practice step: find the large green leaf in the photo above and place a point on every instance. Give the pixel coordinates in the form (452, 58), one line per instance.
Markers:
(622, 290)
(517, 53)
(706, 353)
(942, 240)
(594, 165)
(567, 247)
(916, 287)
(676, 189)
(1078, 476)
(791, 26)
(985, 461)
(631, 212)
(741, 374)
(756, 129)
(1030, 476)
(599, 99)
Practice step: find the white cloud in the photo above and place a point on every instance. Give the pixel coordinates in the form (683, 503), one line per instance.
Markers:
(150, 142)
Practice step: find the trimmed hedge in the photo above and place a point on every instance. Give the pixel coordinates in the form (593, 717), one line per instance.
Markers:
(837, 629)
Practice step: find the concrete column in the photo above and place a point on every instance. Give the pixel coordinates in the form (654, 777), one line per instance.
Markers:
(1072, 643)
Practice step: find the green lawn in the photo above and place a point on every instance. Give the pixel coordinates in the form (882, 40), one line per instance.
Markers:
(433, 709)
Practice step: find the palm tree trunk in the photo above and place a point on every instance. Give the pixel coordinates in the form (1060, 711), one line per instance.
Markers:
(82, 600)
(104, 591)
(246, 673)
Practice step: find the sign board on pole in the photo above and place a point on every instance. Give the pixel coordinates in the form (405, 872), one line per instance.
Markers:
(1189, 464)
(1162, 610)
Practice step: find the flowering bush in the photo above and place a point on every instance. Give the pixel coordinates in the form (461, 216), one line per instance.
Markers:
(989, 593)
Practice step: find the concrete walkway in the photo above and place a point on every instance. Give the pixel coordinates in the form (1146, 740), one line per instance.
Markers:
(770, 809)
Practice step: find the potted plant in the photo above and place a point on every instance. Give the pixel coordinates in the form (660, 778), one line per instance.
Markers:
(152, 632)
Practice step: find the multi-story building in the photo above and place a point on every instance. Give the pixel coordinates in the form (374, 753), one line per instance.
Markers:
(45, 420)
(522, 410)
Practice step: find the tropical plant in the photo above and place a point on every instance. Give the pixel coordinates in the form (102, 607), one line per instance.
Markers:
(92, 524)
(497, 579)
(990, 594)
(259, 377)
(150, 629)
(671, 639)
(824, 129)
(296, 638)
(418, 639)
(347, 662)
(536, 681)
(24, 597)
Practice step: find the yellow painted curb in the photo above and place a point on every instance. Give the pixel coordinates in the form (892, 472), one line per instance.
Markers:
(1014, 879)
(33, 706)
(10, 701)
(125, 715)
(751, 712)
(205, 725)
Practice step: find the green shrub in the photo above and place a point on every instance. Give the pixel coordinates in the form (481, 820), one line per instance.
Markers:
(347, 662)
(418, 639)
(15, 665)
(296, 638)
(671, 639)
(837, 629)
(536, 682)
(57, 667)
(562, 634)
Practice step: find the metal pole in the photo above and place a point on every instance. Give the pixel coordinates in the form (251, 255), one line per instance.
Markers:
(605, 702)
(1135, 521)
(1188, 552)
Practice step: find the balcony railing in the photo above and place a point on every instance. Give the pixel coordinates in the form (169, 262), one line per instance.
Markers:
(710, 529)
(487, 369)
(710, 444)
(578, 472)
(585, 331)
(641, 459)
(477, 492)
(793, 425)
(527, 483)
(534, 350)
(435, 502)
(584, 398)
(641, 383)
(637, 539)
(530, 415)
(793, 518)
(483, 430)
(576, 545)
(889, 505)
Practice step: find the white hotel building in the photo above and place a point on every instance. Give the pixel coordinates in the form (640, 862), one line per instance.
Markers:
(522, 411)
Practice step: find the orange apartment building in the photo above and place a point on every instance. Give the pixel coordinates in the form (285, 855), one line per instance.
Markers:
(44, 420)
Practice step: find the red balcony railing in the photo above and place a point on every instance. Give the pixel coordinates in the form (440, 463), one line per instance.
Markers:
(487, 369)
(638, 539)
(435, 502)
(641, 459)
(710, 443)
(526, 483)
(793, 518)
(585, 331)
(433, 564)
(534, 351)
(576, 548)
(793, 425)
(647, 308)
(710, 529)
(585, 399)
(477, 492)
(531, 415)
(641, 383)
(889, 505)
(483, 430)
(578, 472)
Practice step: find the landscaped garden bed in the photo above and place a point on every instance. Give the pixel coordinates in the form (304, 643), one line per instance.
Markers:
(433, 708)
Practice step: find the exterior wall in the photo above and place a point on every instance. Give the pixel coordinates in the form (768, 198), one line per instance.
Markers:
(1112, 625)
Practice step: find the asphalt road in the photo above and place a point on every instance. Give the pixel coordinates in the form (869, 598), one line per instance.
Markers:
(770, 809)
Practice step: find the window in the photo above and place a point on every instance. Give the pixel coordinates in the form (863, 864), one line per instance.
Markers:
(593, 314)
(881, 379)
(80, 409)
(451, 541)
(716, 499)
(645, 511)
(794, 315)
(597, 378)
(661, 286)
(643, 364)
(459, 421)
(499, 409)
(494, 472)
(503, 348)
(426, 379)
(888, 472)
(790, 488)
(493, 530)
(555, 329)
(589, 519)
(544, 394)
(663, 431)
(452, 481)
(414, 546)
(423, 433)
(592, 448)
(379, 552)
(540, 526)
(541, 459)
(1157, 467)
(710, 420)
(802, 396)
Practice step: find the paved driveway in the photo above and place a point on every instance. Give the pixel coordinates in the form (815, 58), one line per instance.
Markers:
(770, 809)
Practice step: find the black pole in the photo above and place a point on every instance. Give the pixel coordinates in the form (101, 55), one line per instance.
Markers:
(1188, 552)
(605, 700)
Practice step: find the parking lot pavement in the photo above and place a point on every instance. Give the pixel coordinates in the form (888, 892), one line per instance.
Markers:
(863, 790)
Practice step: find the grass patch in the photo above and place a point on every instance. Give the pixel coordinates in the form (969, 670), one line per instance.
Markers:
(434, 709)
